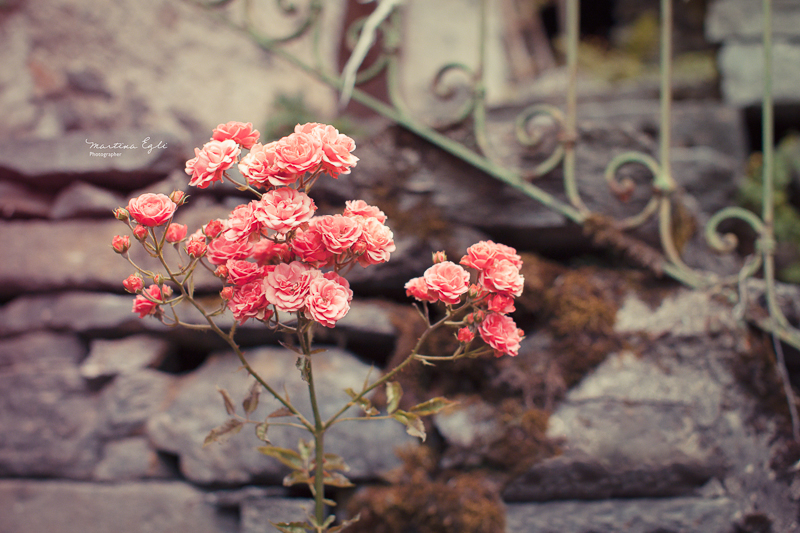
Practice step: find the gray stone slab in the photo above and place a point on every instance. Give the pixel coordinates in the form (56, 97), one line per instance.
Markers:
(123, 356)
(84, 200)
(742, 69)
(744, 20)
(28, 506)
(257, 513)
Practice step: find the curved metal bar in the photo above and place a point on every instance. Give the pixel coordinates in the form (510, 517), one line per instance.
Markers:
(446, 92)
(525, 138)
(727, 243)
(625, 188)
(290, 9)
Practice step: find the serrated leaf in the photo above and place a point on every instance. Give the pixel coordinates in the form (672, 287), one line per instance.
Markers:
(286, 456)
(394, 391)
(296, 477)
(261, 432)
(250, 402)
(290, 347)
(291, 527)
(345, 524)
(336, 479)
(432, 406)
(335, 462)
(362, 402)
(230, 427)
(283, 411)
(318, 350)
(413, 423)
(229, 407)
(305, 448)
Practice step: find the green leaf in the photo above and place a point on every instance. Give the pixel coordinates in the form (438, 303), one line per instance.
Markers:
(219, 433)
(413, 423)
(283, 411)
(291, 527)
(336, 479)
(261, 432)
(393, 394)
(335, 462)
(288, 457)
(296, 477)
(432, 406)
(229, 407)
(290, 347)
(362, 402)
(305, 448)
(250, 403)
(345, 524)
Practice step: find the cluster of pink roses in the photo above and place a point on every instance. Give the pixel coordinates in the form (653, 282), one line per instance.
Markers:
(498, 282)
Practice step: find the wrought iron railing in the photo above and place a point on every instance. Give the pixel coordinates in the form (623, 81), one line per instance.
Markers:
(386, 21)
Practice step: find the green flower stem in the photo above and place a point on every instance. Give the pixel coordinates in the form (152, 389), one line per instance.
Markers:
(319, 447)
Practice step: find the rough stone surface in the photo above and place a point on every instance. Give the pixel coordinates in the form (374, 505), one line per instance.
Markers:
(123, 356)
(132, 399)
(631, 516)
(83, 200)
(257, 513)
(368, 448)
(35, 506)
(130, 459)
(18, 201)
(744, 20)
(51, 421)
(742, 65)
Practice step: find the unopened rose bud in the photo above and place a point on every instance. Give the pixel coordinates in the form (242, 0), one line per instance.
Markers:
(226, 293)
(465, 335)
(133, 283)
(475, 291)
(213, 228)
(221, 272)
(439, 257)
(179, 197)
(359, 248)
(196, 248)
(175, 233)
(121, 243)
(159, 279)
(121, 214)
(140, 232)
(166, 291)
(479, 315)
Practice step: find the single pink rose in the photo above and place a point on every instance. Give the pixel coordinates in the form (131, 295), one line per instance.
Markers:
(298, 153)
(502, 276)
(145, 306)
(196, 246)
(501, 333)
(242, 224)
(501, 303)
(121, 243)
(133, 283)
(480, 255)
(175, 233)
(339, 233)
(327, 301)
(242, 133)
(248, 301)
(261, 169)
(221, 249)
(140, 232)
(209, 163)
(362, 208)
(309, 247)
(284, 209)
(213, 228)
(241, 272)
(465, 335)
(418, 289)
(268, 252)
(151, 209)
(286, 286)
(333, 276)
(337, 157)
(448, 280)
(378, 240)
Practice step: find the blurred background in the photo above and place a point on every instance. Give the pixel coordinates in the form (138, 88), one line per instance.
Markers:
(635, 404)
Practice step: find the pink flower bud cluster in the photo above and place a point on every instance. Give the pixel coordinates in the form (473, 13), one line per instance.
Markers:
(499, 281)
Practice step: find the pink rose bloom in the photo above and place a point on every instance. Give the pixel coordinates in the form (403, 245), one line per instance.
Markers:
(133, 283)
(481, 254)
(145, 307)
(121, 243)
(465, 335)
(242, 133)
(175, 233)
(196, 246)
(417, 288)
(336, 148)
(327, 301)
(501, 303)
(248, 302)
(261, 169)
(284, 209)
(242, 224)
(267, 252)
(362, 208)
(378, 240)
(151, 209)
(213, 228)
(298, 153)
(241, 272)
(309, 247)
(209, 163)
(502, 276)
(221, 249)
(339, 233)
(501, 333)
(286, 287)
(333, 276)
(448, 280)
